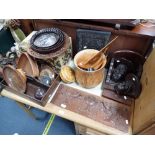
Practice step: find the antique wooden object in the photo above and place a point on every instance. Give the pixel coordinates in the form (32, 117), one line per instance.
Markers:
(88, 79)
(150, 130)
(28, 65)
(110, 113)
(30, 88)
(62, 112)
(144, 113)
(91, 62)
(14, 78)
(83, 130)
(139, 38)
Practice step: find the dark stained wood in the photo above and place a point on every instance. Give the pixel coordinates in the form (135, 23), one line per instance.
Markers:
(126, 24)
(103, 110)
(145, 29)
(26, 25)
(69, 28)
(139, 39)
(136, 58)
(32, 86)
(113, 96)
(138, 44)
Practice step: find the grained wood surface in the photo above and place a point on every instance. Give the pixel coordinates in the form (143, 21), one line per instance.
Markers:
(139, 39)
(144, 113)
(113, 96)
(83, 130)
(105, 111)
(64, 113)
(148, 131)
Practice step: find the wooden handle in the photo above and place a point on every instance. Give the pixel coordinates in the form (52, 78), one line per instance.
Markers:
(107, 46)
(105, 51)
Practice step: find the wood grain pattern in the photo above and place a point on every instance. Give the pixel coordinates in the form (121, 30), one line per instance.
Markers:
(83, 130)
(105, 111)
(88, 79)
(64, 113)
(113, 96)
(97, 56)
(28, 65)
(135, 40)
(144, 113)
(148, 131)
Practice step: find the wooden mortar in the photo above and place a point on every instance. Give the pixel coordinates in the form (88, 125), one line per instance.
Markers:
(88, 79)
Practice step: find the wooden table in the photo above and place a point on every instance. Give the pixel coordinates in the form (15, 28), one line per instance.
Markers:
(75, 117)
(138, 39)
(90, 125)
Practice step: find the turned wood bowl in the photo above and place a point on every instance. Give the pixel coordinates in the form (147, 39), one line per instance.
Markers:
(28, 65)
(16, 79)
(88, 79)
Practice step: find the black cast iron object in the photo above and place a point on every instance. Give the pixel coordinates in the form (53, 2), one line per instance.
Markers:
(131, 68)
(119, 72)
(130, 87)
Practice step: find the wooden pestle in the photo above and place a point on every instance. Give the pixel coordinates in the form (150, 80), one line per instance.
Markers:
(89, 63)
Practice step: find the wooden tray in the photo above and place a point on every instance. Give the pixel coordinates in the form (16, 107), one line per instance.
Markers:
(102, 110)
(32, 86)
(113, 96)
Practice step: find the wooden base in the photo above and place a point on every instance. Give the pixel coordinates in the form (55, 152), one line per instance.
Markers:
(148, 131)
(83, 130)
(70, 115)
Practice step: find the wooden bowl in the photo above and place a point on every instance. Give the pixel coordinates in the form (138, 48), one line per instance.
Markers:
(28, 65)
(88, 79)
(14, 78)
(129, 55)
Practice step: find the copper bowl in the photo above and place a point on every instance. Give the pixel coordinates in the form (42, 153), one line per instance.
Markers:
(15, 79)
(28, 65)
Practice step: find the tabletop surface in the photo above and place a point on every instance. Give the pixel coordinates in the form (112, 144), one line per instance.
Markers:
(70, 115)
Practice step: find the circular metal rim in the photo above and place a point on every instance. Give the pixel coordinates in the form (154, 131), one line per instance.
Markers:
(49, 49)
(50, 55)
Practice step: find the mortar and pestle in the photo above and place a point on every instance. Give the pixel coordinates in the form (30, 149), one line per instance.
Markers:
(89, 64)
